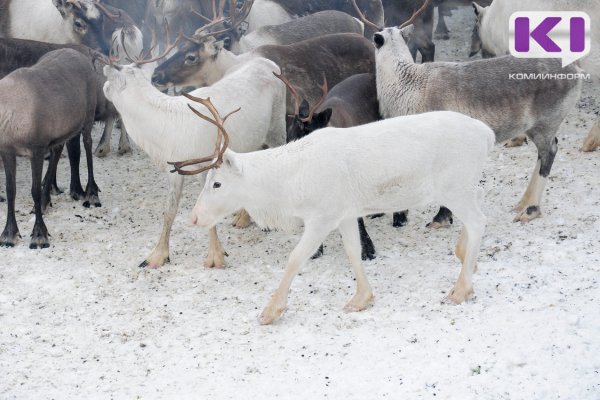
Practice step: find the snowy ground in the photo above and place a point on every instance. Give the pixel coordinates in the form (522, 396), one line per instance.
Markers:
(81, 320)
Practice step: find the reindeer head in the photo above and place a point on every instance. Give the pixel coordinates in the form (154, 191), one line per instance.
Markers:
(95, 24)
(191, 65)
(306, 119)
(194, 63)
(220, 196)
(391, 43)
(401, 41)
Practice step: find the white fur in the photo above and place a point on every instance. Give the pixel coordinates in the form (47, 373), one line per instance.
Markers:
(335, 175)
(133, 42)
(165, 128)
(39, 20)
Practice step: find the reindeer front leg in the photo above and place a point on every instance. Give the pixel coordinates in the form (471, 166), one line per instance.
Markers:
(160, 254)
(124, 145)
(216, 254)
(313, 236)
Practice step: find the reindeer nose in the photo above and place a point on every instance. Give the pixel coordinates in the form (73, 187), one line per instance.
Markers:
(194, 218)
(158, 78)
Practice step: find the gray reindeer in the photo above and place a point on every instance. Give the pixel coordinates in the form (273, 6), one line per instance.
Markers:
(483, 90)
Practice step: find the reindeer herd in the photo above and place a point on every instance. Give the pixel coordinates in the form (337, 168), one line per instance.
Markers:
(241, 89)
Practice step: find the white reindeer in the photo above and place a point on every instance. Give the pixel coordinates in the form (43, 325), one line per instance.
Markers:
(166, 130)
(335, 175)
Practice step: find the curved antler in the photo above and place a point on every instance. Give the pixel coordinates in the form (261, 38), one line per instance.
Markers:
(221, 144)
(292, 91)
(364, 19)
(420, 11)
(316, 106)
(235, 18)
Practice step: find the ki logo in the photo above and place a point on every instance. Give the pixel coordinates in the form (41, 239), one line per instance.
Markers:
(550, 34)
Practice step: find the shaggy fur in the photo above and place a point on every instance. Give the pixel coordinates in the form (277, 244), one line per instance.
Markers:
(481, 89)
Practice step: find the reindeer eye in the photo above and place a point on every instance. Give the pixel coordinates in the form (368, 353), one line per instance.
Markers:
(191, 58)
(216, 185)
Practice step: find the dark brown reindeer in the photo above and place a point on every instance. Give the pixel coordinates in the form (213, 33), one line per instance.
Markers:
(202, 61)
(20, 53)
(42, 107)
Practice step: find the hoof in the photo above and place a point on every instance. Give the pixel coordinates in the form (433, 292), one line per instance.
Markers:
(92, 200)
(102, 150)
(400, 219)
(241, 220)
(516, 141)
(9, 237)
(458, 295)
(9, 241)
(367, 250)
(39, 237)
(368, 254)
(530, 213)
(359, 303)
(442, 218)
(270, 314)
(124, 149)
(77, 194)
(39, 244)
(215, 261)
(153, 264)
(318, 253)
(2, 199)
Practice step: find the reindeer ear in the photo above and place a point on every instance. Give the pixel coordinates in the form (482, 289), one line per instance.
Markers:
(407, 32)
(322, 119)
(219, 45)
(231, 162)
(478, 9)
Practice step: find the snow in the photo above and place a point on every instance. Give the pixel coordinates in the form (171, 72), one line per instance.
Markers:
(81, 320)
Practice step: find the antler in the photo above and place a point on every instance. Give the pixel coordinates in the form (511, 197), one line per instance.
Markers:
(364, 19)
(168, 49)
(297, 98)
(416, 14)
(221, 144)
(292, 91)
(110, 59)
(235, 18)
(316, 106)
